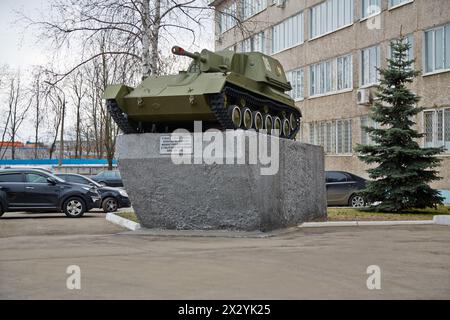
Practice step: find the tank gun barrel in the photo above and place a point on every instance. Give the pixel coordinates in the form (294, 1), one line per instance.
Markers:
(181, 52)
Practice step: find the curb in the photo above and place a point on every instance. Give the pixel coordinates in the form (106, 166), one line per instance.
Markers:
(364, 223)
(130, 225)
(442, 220)
(133, 226)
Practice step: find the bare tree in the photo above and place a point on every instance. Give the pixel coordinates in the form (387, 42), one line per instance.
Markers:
(37, 92)
(133, 29)
(55, 101)
(6, 113)
(17, 110)
(78, 91)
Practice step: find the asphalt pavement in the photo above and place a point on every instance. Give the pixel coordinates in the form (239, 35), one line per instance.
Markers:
(323, 263)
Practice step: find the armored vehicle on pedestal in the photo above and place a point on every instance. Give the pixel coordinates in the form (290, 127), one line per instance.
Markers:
(224, 90)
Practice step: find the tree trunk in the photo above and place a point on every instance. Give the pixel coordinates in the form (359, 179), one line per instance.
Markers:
(61, 139)
(155, 37)
(146, 34)
(36, 129)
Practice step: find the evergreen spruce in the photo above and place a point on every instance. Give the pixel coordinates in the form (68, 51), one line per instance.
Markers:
(401, 170)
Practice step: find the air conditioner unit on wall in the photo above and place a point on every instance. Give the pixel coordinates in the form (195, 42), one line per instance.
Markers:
(364, 97)
(280, 3)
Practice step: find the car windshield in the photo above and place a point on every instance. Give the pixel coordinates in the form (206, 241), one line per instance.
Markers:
(98, 185)
(75, 178)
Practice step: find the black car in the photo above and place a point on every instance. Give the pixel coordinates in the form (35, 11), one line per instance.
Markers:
(342, 189)
(109, 178)
(112, 198)
(38, 190)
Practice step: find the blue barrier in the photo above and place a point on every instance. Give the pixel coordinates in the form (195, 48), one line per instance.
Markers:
(54, 162)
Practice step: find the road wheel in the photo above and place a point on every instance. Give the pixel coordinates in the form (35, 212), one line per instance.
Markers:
(74, 207)
(102, 183)
(1, 210)
(110, 205)
(357, 201)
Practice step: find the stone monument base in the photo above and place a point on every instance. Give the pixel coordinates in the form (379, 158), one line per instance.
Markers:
(235, 193)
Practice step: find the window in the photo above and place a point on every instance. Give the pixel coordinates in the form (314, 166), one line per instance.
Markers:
(252, 7)
(370, 62)
(227, 18)
(76, 179)
(437, 128)
(254, 44)
(334, 136)
(344, 72)
(437, 49)
(35, 178)
(330, 16)
(296, 77)
(366, 121)
(410, 40)
(343, 136)
(393, 3)
(288, 33)
(246, 45)
(11, 177)
(334, 176)
(259, 43)
(370, 7)
(331, 76)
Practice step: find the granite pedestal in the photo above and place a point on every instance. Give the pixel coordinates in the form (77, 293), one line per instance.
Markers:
(239, 196)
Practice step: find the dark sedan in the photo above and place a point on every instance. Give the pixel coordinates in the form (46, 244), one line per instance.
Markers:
(109, 178)
(112, 198)
(342, 189)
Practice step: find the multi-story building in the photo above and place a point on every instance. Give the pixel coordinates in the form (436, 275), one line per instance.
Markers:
(331, 50)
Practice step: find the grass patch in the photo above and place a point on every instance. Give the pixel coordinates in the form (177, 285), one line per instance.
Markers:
(351, 214)
(130, 215)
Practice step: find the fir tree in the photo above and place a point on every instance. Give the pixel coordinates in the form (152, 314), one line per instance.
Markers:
(401, 170)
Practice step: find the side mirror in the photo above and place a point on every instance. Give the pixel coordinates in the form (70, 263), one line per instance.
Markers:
(51, 180)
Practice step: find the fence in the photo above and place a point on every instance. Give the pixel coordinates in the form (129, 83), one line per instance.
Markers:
(80, 166)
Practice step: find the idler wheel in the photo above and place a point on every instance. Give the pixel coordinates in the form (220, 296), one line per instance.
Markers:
(292, 122)
(257, 120)
(234, 112)
(247, 118)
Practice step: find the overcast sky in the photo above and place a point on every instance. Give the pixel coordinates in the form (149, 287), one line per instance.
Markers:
(18, 48)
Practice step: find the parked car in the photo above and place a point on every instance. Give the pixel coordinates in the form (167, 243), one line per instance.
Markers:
(37, 168)
(38, 190)
(109, 178)
(342, 189)
(112, 198)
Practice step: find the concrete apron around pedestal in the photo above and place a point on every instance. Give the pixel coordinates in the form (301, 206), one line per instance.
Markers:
(237, 194)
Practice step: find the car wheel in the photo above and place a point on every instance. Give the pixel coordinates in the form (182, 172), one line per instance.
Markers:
(110, 205)
(102, 183)
(357, 201)
(1, 210)
(74, 207)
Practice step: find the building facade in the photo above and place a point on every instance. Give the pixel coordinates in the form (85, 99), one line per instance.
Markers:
(331, 50)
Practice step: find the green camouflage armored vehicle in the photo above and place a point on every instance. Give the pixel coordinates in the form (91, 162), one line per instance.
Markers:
(225, 90)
